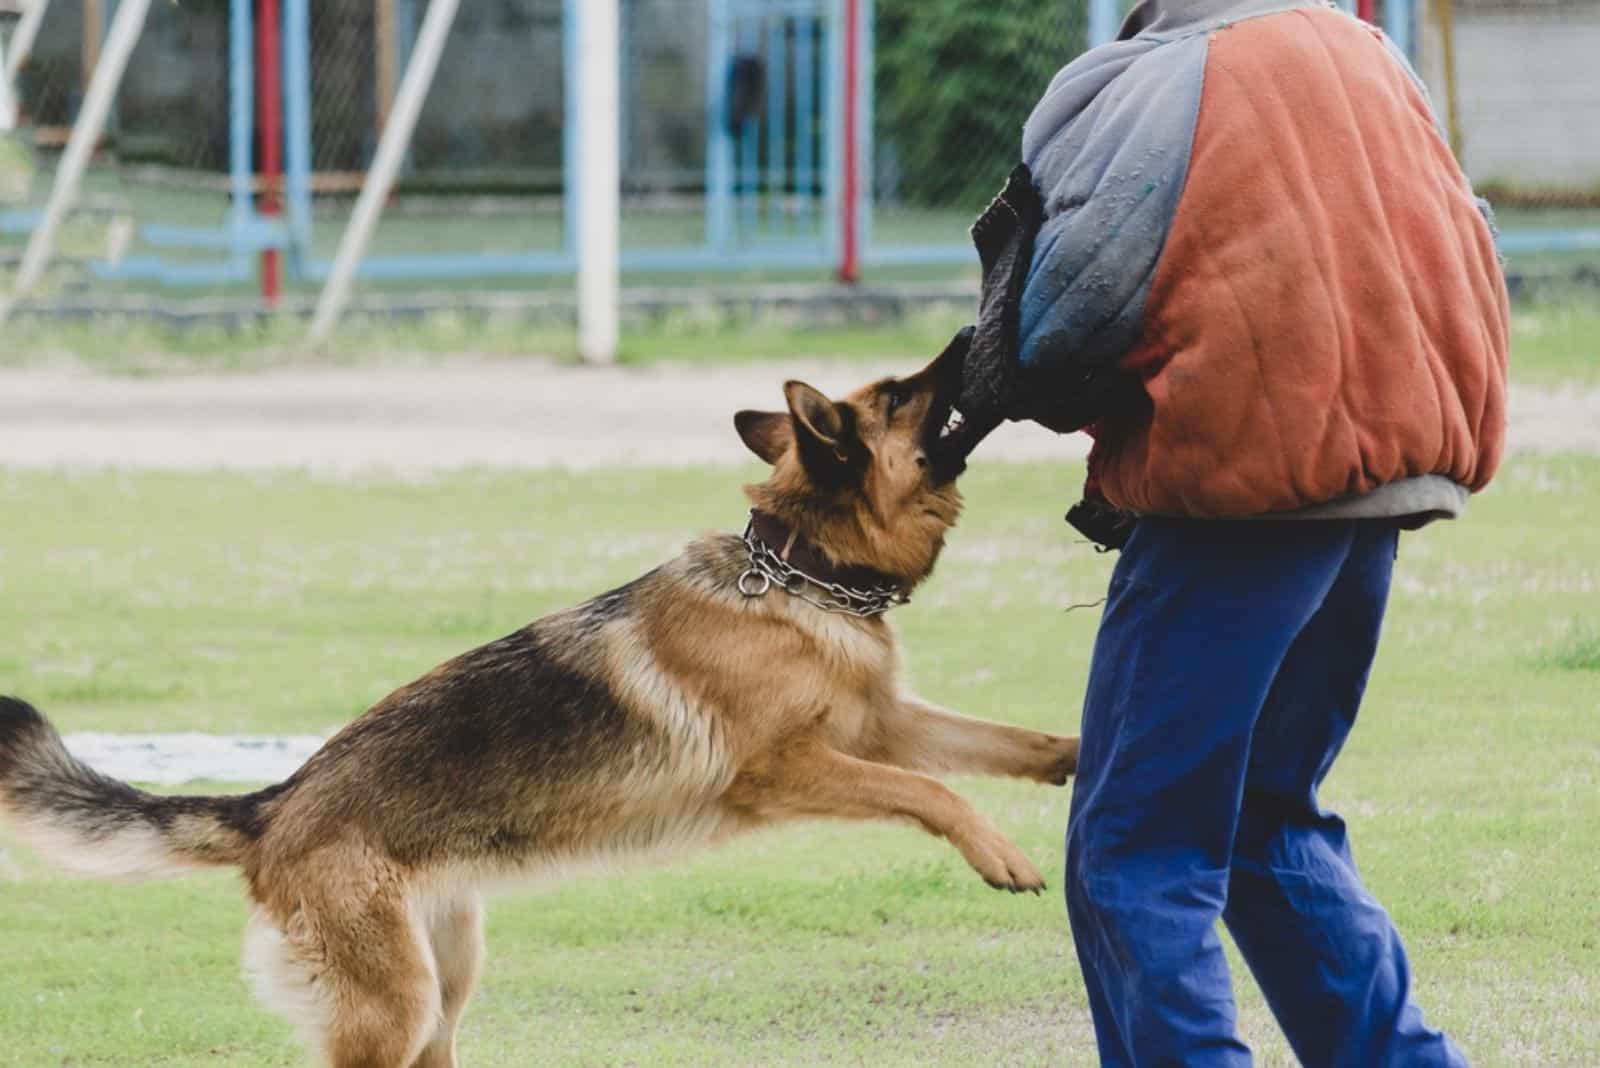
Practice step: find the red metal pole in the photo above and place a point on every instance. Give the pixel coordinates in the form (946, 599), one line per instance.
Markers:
(849, 249)
(1367, 10)
(269, 126)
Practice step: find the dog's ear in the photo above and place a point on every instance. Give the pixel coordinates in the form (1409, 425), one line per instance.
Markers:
(824, 431)
(767, 434)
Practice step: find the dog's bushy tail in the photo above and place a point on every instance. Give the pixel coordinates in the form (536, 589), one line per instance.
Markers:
(94, 825)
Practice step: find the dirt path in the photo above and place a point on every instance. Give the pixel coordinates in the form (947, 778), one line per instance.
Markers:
(415, 421)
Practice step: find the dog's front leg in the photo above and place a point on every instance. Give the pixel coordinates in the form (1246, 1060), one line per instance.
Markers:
(914, 734)
(810, 780)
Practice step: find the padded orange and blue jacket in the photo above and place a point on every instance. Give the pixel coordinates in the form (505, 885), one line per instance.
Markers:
(1250, 208)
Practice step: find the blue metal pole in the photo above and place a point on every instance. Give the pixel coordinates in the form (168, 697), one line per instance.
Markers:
(864, 133)
(1570, 240)
(405, 29)
(749, 139)
(405, 17)
(297, 129)
(241, 108)
(777, 138)
(805, 117)
(1104, 18)
(833, 124)
(719, 143)
(571, 188)
(627, 85)
(1397, 24)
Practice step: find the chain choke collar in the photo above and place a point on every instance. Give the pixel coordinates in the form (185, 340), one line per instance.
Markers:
(780, 557)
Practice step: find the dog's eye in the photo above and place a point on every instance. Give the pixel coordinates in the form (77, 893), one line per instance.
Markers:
(898, 396)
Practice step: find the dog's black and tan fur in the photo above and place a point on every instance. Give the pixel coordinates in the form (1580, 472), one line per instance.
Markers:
(670, 713)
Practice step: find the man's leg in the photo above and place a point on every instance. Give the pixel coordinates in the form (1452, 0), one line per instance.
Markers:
(1324, 951)
(1199, 617)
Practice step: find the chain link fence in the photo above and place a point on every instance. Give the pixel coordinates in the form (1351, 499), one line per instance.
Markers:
(663, 93)
(483, 174)
(344, 87)
(162, 158)
(951, 83)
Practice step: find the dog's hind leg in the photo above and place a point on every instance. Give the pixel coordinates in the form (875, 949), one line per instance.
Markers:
(455, 930)
(357, 947)
(383, 984)
(284, 971)
(809, 780)
(922, 737)
(356, 977)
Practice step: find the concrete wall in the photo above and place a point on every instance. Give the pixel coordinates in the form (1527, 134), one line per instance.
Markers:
(1528, 79)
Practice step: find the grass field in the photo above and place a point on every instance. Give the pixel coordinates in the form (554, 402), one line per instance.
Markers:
(1554, 342)
(282, 602)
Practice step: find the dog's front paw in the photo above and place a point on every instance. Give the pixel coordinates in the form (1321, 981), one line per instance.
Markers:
(1057, 759)
(1001, 863)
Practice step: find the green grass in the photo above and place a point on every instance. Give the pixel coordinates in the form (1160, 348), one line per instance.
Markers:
(147, 349)
(282, 602)
(1553, 342)
(1578, 650)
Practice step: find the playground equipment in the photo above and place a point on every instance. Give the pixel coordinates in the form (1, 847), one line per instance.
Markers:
(794, 174)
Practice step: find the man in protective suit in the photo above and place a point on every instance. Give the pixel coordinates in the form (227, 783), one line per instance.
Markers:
(1241, 255)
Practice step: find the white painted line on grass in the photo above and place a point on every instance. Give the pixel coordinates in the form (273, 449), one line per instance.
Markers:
(173, 759)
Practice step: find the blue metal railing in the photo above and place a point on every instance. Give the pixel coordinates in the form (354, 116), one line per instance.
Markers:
(244, 231)
(772, 184)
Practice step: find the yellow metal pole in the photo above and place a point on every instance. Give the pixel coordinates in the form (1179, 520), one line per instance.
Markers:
(94, 31)
(1444, 11)
(386, 58)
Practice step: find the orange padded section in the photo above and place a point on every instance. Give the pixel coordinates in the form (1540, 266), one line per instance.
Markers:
(1328, 314)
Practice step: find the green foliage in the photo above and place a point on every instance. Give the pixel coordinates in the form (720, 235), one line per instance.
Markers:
(954, 82)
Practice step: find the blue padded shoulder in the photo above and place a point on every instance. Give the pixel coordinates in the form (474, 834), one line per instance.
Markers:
(1109, 147)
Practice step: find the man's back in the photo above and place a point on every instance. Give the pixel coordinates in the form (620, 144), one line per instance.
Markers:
(1254, 214)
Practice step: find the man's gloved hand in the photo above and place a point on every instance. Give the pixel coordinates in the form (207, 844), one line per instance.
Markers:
(991, 390)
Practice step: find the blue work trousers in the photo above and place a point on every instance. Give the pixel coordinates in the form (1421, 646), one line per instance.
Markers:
(1229, 665)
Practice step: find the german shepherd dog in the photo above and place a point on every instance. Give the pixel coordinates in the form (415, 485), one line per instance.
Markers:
(750, 681)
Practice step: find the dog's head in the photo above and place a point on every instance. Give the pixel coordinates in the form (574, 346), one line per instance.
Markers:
(869, 479)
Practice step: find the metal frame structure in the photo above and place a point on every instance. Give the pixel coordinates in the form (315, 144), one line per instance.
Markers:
(784, 210)
(8, 107)
(776, 195)
(758, 212)
(298, 157)
(385, 165)
(246, 232)
(126, 26)
(21, 46)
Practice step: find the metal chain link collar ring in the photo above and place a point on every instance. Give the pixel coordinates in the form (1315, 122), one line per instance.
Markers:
(768, 569)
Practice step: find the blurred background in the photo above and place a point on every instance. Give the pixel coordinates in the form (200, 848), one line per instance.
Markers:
(299, 301)
(760, 141)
